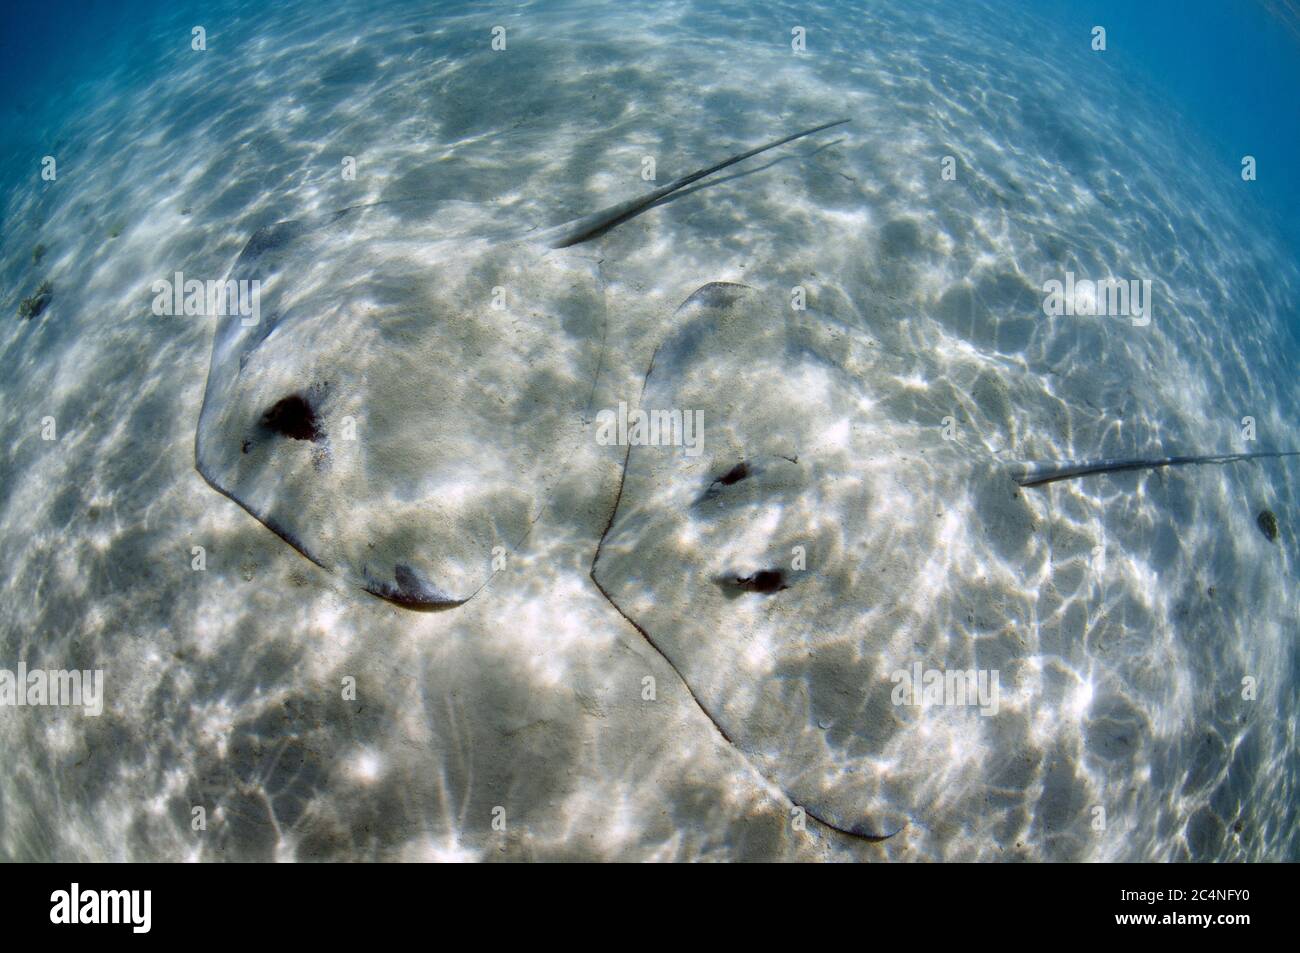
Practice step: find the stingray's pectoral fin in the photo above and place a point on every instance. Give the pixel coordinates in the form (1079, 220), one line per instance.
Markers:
(410, 590)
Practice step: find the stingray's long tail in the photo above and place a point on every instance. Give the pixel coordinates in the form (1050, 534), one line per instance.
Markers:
(589, 226)
(1049, 471)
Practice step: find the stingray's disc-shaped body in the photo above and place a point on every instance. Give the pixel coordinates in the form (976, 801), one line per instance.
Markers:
(789, 654)
(407, 395)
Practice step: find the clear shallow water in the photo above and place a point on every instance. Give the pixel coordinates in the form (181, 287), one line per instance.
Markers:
(1122, 611)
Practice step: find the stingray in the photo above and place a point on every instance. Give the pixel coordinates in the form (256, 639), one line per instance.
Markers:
(398, 414)
(793, 569)
(748, 567)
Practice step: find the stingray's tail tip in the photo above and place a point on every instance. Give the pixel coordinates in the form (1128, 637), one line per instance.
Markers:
(1026, 473)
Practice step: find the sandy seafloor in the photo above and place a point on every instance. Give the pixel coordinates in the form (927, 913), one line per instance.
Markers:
(1123, 611)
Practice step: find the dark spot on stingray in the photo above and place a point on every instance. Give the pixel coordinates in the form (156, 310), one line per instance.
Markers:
(245, 446)
(1267, 523)
(410, 590)
(765, 582)
(293, 417)
(741, 471)
(734, 475)
(31, 307)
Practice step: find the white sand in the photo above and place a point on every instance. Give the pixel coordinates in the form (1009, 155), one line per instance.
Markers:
(1121, 672)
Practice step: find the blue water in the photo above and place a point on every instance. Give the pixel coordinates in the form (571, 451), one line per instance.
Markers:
(1123, 611)
(1225, 68)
